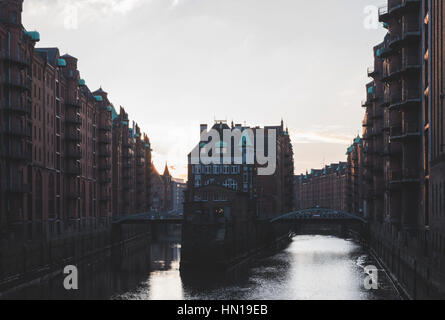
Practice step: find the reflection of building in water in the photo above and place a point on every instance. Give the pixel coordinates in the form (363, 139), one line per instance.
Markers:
(165, 256)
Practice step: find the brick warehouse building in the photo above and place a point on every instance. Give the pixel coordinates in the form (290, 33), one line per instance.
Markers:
(356, 187)
(404, 163)
(228, 206)
(273, 194)
(324, 188)
(69, 163)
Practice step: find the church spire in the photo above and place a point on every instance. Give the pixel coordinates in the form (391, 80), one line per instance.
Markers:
(166, 171)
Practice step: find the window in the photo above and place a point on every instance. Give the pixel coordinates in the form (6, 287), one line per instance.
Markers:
(231, 184)
(197, 181)
(215, 169)
(226, 169)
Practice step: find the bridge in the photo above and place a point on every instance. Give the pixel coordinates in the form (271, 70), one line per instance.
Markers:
(318, 214)
(321, 220)
(149, 218)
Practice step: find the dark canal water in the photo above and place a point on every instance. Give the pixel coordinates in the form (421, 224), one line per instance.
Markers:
(311, 267)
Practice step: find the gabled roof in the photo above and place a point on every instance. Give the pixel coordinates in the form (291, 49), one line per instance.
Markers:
(67, 56)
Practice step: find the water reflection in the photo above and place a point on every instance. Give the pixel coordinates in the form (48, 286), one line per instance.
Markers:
(311, 267)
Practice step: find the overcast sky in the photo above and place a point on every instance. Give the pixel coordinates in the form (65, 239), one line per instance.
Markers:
(174, 64)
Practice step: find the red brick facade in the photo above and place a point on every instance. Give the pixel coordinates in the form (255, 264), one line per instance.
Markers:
(324, 188)
(68, 161)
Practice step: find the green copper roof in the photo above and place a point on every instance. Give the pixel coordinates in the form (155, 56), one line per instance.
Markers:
(98, 98)
(109, 108)
(61, 62)
(357, 140)
(81, 82)
(35, 36)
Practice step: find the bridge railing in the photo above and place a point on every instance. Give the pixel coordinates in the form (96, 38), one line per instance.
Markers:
(318, 213)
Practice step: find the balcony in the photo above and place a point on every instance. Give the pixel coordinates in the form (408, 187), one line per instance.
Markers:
(405, 5)
(404, 176)
(21, 62)
(385, 52)
(74, 120)
(408, 130)
(410, 98)
(73, 169)
(21, 109)
(410, 33)
(74, 154)
(16, 84)
(383, 13)
(406, 68)
(73, 103)
(73, 136)
(372, 72)
(366, 103)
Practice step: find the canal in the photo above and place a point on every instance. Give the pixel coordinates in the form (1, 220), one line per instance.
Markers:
(310, 267)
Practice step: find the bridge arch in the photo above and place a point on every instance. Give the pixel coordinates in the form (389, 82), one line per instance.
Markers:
(318, 214)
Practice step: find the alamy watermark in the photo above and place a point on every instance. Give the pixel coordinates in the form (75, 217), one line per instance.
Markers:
(71, 281)
(371, 281)
(249, 147)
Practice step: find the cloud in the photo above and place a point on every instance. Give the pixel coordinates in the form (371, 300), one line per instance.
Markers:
(176, 3)
(320, 136)
(103, 6)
